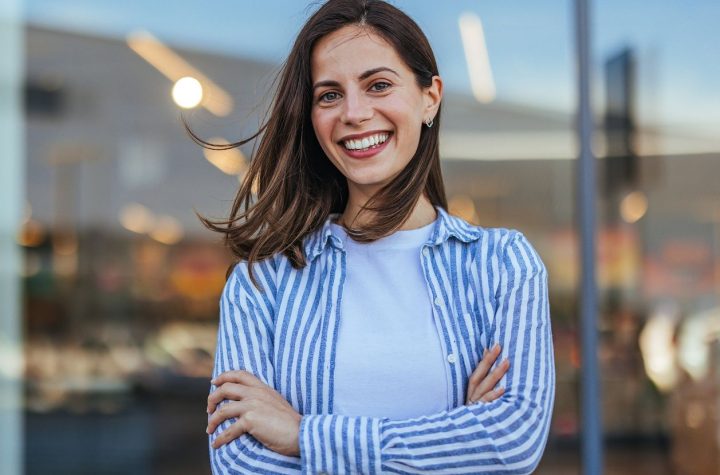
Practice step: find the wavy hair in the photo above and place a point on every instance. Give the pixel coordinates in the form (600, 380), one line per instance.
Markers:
(291, 187)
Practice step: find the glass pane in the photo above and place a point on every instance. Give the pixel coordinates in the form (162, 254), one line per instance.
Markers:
(659, 249)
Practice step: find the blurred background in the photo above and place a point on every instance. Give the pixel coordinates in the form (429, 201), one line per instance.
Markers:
(110, 285)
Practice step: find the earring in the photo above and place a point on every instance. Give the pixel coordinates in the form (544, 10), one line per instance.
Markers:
(429, 122)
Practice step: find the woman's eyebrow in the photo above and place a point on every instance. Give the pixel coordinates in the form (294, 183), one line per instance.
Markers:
(370, 72)
(363, 76)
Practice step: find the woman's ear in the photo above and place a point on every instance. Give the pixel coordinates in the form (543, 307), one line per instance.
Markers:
(432, 97)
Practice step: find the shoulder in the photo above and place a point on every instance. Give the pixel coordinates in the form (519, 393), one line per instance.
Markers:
(496, 246)
(517, 256)
(266, 272)
(253, 280)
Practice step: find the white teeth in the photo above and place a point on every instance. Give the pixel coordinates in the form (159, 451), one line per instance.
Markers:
(366, 142)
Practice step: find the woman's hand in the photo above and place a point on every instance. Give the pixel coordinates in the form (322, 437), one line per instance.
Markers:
(481, 384)
(260, 411)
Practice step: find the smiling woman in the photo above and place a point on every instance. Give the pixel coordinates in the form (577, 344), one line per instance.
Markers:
(363, 329)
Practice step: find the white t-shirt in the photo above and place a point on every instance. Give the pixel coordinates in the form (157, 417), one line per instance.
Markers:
(389, 361)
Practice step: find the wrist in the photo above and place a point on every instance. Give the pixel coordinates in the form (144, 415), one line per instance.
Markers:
(296, 446)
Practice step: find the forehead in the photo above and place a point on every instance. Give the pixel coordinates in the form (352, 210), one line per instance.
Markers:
(352, 50)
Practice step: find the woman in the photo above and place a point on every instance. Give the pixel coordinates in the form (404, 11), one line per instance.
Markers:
(352, 325)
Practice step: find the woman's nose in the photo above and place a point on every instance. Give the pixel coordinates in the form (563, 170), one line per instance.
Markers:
(356, 109)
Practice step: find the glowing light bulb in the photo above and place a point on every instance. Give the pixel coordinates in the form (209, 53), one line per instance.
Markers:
(187, 92)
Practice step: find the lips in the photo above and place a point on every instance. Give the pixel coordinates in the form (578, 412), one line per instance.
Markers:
(372, 151)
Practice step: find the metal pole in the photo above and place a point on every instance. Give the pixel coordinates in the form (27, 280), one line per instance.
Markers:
(12, 183)
(586, 191)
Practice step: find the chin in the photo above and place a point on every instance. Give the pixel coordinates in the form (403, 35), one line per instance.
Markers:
(370, 179)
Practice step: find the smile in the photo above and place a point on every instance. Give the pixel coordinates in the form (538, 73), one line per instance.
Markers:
(366, 143)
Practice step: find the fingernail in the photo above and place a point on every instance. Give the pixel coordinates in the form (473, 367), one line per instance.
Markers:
(207, 430)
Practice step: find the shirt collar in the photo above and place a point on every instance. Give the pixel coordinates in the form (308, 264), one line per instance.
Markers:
(446, 226)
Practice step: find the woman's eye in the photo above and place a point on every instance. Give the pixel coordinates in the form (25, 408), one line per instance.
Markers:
(328, 96)
(380, 86)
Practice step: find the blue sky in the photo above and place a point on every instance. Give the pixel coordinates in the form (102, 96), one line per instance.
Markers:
(530, 42)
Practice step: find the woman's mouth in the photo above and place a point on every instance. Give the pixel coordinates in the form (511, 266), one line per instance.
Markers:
(367, 146)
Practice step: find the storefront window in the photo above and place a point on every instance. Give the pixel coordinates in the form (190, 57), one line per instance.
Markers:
(121, 282)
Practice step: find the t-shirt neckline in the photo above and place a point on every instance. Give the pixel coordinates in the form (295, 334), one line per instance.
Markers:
(401, 239)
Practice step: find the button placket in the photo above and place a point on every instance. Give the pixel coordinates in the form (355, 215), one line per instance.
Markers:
(438, 315)
(450, 346)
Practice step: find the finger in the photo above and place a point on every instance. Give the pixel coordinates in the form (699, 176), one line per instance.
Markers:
(227, 376)
(229, 434)
(491, 380)
(493, 395)
(471, 383)
(232, 391)
(489, 357)
(237, 376)
(477, 376)
(225, 412)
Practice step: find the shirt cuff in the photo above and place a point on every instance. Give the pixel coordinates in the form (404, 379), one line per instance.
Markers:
(333, 444)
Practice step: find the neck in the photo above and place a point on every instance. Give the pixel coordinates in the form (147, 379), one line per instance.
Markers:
(422, 214)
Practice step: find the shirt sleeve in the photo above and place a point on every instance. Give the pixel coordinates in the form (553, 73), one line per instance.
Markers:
(245, 336)
(506, 436)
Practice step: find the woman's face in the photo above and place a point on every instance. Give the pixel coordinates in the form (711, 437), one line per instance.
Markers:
(368, 110)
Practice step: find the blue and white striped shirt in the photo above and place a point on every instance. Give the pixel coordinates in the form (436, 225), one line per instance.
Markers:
(488, 285)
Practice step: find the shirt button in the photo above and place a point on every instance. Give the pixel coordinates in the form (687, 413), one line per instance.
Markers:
(451, 358)
(425, 251)
(438, 301)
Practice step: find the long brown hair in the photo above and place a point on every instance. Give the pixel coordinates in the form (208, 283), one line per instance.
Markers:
(296, 185)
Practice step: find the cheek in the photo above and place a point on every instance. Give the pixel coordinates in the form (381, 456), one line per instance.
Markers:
(410, 139)
(323, 133)
(409, 149)
(323, 130)
(407, 116)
